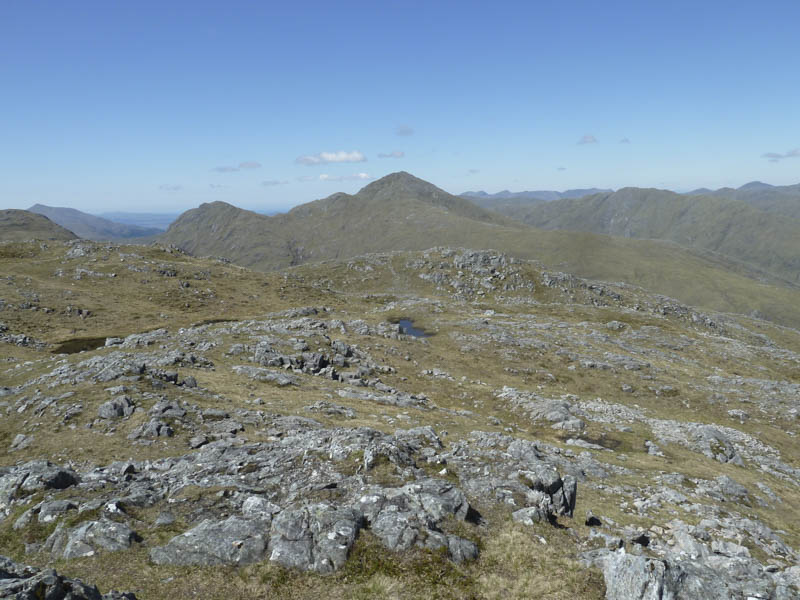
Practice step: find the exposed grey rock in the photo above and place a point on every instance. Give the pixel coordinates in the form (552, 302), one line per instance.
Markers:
(22, 582)
(260, 509)
(536, 408)
(330, 409)
(89, 538)
(409, 516)
(266, 375)
(232, 541)
(41, 474)
(164, 519)
(152, 429)
(50, 511)
(167, 409)
(314, 538)
(121, 406)
(20, 442)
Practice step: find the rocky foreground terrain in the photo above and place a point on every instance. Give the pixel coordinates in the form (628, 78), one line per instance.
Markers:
(446, 424)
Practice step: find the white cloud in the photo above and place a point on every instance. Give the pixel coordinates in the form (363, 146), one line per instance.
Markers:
(404, 130)
(587, 139)
(273, 182)
(226, 169)
(776, 157)
(354, 177)
(331, 157)
(473, 171)
(392, 154)
(217, 186)
(327, 177)
(624, 141)
(170, 187)
(561, 169)
(249, 164)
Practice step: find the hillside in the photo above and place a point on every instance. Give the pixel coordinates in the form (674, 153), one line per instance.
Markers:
(20, 225)
(780, 200)
(180, 427)
(91, 227)
(730, 227)
(400, 212)
(506, 199)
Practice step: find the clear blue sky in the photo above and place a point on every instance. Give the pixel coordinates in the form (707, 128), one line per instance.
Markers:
(159, 106)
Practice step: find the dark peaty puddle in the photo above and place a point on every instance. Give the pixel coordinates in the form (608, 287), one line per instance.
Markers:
(79, 345)
(407, 328)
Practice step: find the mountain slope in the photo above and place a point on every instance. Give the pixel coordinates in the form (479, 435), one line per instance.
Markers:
(91, 227)
(713, 223)
(507, 199)
(400, 213)
(781, 200)
(19, 225)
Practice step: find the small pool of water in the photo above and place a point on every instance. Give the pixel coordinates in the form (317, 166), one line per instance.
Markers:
(79, 345)
(407, 328)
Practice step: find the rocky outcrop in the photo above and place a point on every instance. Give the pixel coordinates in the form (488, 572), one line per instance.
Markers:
(21, 582)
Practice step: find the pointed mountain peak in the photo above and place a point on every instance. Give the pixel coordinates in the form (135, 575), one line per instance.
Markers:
(400, 182)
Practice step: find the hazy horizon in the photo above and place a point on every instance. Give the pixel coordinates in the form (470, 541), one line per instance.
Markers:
(159, 108)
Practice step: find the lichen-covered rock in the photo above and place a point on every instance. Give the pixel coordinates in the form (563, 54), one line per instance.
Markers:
(234, 541)
(90, 538)
(22, 582)
(314, 538)
(121, 406)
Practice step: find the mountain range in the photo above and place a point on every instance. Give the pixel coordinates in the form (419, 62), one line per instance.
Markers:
(778, 199)
(509, 199)
(713, 222)
(402, 212)
(91, 227)
(706, 250)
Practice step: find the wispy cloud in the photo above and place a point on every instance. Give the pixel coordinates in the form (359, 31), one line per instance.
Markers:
(331, 157)
(776, 157)
(587, 139)
(353, 177)
(170, 187)
(561, 168)
(249, 164)
(624, 141)
(217, 186)
(473, 171)
(226, 169)
(273, 182)
(404, 130)
(392, 154)
(327, 177)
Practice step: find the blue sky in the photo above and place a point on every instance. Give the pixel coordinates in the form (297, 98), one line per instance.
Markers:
(154, 106)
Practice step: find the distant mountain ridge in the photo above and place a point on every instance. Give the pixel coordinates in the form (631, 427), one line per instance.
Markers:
(777, 199)
(507, 199)
(160, 221)
(401, 212)
(20, 225)
(712, 222)
(91, 227)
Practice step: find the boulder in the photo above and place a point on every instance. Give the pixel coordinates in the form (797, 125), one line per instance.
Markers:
(23, 582)
(89, 538)
(314, 538)
(121, 406)
(234, 541)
